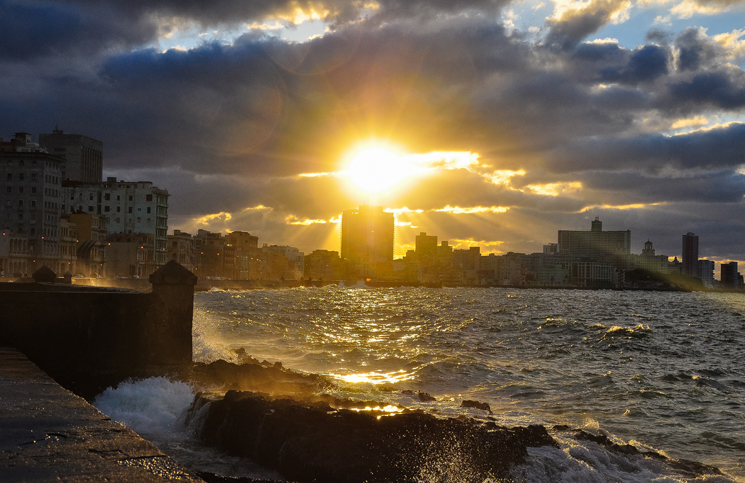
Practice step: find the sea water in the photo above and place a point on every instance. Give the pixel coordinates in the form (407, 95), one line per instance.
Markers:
(662, 371)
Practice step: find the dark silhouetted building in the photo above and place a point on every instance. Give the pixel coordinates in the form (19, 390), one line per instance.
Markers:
(730, 278)
(690, 255)
(367, 240)
(596, 244)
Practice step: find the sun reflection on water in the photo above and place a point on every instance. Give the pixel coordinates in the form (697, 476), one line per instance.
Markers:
(375, 377)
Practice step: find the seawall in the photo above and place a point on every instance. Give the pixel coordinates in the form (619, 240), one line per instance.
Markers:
(49, 434)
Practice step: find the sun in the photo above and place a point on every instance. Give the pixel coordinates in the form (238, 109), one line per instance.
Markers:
(377, 167)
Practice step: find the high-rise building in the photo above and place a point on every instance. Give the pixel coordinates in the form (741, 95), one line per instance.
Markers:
(83, 155)
(690, 255)
(367, 240)
(596, 244)
(129, 207)
(31, 200)
(730, 278)
(706, 272)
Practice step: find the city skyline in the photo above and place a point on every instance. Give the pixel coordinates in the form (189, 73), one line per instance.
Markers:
(489, 123)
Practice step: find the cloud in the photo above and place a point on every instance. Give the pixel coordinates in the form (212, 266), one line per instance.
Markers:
(570, 25)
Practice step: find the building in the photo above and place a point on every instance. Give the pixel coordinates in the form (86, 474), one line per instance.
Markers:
(706, 272)
(129, 207)
(210, 252)
(730, 277)
(649, 261)
(182, 249)
(68, 247)
(367, 235)
(91, 245)
(31, 199)
(243, 250)
(324, 265)
(282, 262)
(83, 155)
(15, 254)
(130, 254)
(596, 244)
(690, 255)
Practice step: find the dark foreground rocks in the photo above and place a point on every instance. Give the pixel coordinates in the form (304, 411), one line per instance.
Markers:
(313, 441)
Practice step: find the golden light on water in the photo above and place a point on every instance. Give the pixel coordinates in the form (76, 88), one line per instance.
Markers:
(375, 377)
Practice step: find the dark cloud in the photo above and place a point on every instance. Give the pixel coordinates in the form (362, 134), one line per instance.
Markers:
(725, 90)
(714, 148)
(574, 25)
(696, 50)
(28, 31)
(645, 64)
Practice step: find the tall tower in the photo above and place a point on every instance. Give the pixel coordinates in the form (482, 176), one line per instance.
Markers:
(367, 239)
(690, 255)
(83, 155)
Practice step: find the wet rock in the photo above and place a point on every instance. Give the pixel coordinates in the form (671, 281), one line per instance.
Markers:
(316, 442)
(253, 376)
(423, 396)
(467, 403)
(603, 440)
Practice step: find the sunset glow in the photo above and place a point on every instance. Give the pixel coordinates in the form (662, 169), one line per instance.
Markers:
(377, 169)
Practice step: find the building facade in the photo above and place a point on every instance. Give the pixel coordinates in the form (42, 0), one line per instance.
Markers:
(607, 246)
(31, 199)
(83, 155)
(129, 207)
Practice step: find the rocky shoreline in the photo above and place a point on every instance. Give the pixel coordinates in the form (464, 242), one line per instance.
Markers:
(283, 420)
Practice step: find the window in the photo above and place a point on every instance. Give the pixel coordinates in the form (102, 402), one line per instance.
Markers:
(33, 203)
(117, 220)
(10, 190)
(148, 209)
(90, 208)
(90, 197)
(20, 203)
(149, 198)
(20, 176)
(107, 196)
(33, 176)
(33, 190)
(10, 177)
(20, 189)
(9, 203)
(106, 209)
(138, 219)
(118, 209)
(118, 198)
(130, 209)
(130, 197)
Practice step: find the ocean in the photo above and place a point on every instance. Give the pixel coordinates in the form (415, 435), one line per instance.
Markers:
(662, 371)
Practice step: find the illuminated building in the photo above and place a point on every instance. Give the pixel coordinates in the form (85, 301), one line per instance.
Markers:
(129, 207)
(367, 240)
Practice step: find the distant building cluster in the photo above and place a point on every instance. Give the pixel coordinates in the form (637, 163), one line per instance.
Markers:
(593, 258)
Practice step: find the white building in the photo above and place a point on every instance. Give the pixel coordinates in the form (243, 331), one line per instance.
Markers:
(31, 198)
(129, 207)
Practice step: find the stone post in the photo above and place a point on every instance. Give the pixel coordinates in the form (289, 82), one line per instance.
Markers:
(166, 336)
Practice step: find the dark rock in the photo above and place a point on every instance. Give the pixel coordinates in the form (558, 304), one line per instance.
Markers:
(603, 440)
(316, 442)
(475, 404)
(425, 397)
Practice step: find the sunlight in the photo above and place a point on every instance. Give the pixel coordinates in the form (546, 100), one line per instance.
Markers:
(377, 167)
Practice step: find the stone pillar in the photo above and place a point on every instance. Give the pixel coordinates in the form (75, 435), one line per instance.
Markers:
(166, 336)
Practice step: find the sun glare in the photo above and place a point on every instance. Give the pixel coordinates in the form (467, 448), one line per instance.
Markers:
(376, 169)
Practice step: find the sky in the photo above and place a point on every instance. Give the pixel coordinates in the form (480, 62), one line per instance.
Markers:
(490, 123)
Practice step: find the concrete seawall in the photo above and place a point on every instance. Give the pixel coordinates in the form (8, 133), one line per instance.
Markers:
(49, 434)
